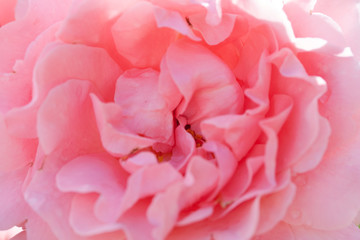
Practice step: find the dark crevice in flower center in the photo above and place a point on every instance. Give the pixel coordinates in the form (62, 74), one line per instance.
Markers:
(199, 140)
(188, 22)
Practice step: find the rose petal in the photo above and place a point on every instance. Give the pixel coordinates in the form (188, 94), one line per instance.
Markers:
(17, 35)
(314, 24)
(239, 224)
(140, 160)
(47, 201)
(165, 206)
(14, 209)
(284, 231)
(35, 227)
(341, 108)
(86, 20)
(146, 182)
(117, 139)
(15, 152)
(346, 14)
(213, 34)
(144, 110)
(138, 38)
(278, 113)
(302, 127)
(174, 20)
(273, 208)
(71, 99)
(183, 150)
(16, 87)
(226, 162)
(7, 11)
(201, 78)
(58, 63)
(83, 219)
(94, 173)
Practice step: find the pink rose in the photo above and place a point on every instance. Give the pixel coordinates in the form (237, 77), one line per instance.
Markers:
(180, 119)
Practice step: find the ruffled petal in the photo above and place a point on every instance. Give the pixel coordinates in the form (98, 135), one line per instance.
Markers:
(57, 64)
(17, 35)
(213, 34)
(15, 152)
(7, 11)
(71, 99)
(347, 15)
(116, 138)
(284, 231)
(138, 38)
(146, 182)
(144, 110)
(324, 201)
(94, 173)
(83, 219)
(204, 81)
(14, 210)
(16, 87)
(273, 208)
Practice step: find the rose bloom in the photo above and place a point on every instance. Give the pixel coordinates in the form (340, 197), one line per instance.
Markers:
(180, 119)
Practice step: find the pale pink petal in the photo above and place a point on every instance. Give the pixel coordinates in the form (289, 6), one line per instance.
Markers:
(16, 87)
(253, 50)
(144, 110)
(314, 154)
(285, 231)
(68, 99)
(341, 158)
(214, 11)
(22, 236)
(17, 35)
(213, 34)
(259, 187)
(196, 216)
(47, 201)
(15, 152)
(184, 148)
(140, 160)
(268, 13)
(314, 24)
(146, 182)
(167, 88)
(226, 163)
(94, 173)
(138, 38)
(14, 209)
(239, 224)
(347, 15)
(117, 139)
(273, 208)
(164, 210)
(7, 11)
(241, 179)
(201, 177)
(201, 78)
(302, 128)
(86, 20)
(166, 206)
(136, 225)
(35, 227)
(280, 108)
(83, 219)
(232, 130)
(58, 63)
(174, 20)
